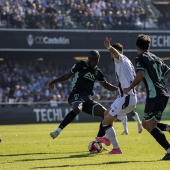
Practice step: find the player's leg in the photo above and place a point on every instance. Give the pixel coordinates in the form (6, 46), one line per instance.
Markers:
(99, 110)
(95, 109)
(135, 116)
(76, 109)
(111, 116)
(110, 137)
(163, 127)
(154, 108)
(101, 131)
(123, 119)
(67, 119)
(120, 107)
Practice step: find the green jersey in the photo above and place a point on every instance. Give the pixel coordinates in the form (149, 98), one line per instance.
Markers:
(155, 69)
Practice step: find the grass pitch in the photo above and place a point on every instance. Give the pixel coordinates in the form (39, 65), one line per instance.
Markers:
(30, 147)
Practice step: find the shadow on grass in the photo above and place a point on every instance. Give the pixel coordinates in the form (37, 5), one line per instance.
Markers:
(23, 154)
(40, 159)
(102, 163)
(72, 156)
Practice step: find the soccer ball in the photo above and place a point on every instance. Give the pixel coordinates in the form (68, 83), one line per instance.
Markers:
(95, 147)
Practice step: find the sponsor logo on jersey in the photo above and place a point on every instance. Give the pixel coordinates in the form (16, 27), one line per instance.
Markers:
(124, 106)
(89, 76)
(138, 65)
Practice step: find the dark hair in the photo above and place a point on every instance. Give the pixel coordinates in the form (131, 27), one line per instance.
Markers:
(94, 53)
(143, 42)
(118, 46)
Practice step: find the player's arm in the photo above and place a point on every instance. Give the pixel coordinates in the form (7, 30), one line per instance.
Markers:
(61, 78)
(139, 77)
(109, 86)
(113, 51)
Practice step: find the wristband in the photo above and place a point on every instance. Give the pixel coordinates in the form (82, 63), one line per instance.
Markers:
(109, 47)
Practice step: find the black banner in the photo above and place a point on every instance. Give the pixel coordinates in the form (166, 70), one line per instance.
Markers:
(29, 115)
(77, 40)
(32, 115)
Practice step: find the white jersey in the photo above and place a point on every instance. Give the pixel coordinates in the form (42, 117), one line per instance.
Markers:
(125, 73)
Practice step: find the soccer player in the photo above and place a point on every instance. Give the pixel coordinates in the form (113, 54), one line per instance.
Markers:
(125, 103)
(151, 69)
(133, 113)
(80, 99)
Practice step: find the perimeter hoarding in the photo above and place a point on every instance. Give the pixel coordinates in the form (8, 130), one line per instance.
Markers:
(32, 115)
(77, 40)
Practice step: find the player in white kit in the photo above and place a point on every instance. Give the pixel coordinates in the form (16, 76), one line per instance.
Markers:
(125, 103)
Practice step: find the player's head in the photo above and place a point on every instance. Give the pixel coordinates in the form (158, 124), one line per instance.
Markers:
(118, 47)
(93, 58)
(143, 42)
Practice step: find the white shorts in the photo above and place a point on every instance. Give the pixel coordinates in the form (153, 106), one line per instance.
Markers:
(123, 105)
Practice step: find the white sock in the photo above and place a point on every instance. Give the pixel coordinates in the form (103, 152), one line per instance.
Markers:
(124, 121)
(168, 128)
(136, 117)
(168, 150)
(59, 130)
(111, 135)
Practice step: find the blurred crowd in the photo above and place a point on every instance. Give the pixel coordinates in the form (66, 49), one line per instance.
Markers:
(81, 14)
(19, 85)
(31, 85)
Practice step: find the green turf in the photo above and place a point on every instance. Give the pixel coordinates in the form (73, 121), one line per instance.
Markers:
(30, 147)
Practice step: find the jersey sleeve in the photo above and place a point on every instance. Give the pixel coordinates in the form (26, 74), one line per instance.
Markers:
(76, 67)
(120, 59)
(140, 64)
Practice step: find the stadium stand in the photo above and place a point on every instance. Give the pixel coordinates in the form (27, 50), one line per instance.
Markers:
(31, 85)
(20, 85)
(82, 14)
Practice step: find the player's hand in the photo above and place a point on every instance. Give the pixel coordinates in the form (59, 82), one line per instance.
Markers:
(126, 90)
(51, 85)
(107, 42)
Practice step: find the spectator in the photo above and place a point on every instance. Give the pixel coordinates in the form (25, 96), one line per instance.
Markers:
(28, 86)
(44, 14)
(53, 101)
(59, 18)
(68, 23)
(110, 20)
(164, 21)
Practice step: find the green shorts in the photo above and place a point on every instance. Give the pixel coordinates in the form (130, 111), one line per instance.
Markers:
(154, 108)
